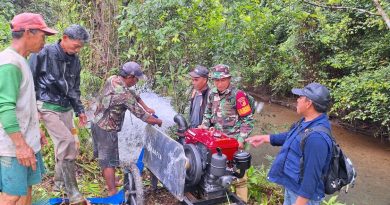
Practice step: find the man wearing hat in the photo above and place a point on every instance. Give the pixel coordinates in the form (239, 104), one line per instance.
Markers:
(228, 110)
(56, 71)
(200, 92)
(115, 99)
(302, 186)
(21, 162)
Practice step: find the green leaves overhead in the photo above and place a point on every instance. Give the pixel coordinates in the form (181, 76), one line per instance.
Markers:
(276, 44)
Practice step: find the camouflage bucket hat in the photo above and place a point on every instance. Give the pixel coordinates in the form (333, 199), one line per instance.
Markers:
(220, 71)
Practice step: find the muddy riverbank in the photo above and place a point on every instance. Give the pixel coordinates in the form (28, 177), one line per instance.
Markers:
(370, 156)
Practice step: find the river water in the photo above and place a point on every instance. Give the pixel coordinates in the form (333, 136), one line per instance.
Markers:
(130, 139)
(371, 158)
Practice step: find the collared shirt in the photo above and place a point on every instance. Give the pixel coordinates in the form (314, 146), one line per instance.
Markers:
(114, 100)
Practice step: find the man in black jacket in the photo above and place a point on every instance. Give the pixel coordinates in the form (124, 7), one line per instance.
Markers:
(200, 92)
(56, 71)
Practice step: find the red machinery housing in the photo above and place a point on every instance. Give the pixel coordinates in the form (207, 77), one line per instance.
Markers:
(213, 162)
(212, 139)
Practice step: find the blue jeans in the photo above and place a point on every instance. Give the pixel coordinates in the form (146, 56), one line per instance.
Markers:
(290, 198)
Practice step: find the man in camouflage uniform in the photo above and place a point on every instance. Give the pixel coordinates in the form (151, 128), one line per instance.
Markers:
(228, 110)
(115, 99)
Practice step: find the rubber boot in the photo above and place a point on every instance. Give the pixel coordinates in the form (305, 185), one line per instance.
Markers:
(71, 189)
(242, 188)
(58, 179)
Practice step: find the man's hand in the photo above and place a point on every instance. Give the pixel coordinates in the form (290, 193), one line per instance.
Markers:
(43, 138)
(258, 140)
(26, 156)
(240, 145)
(154, 121)
(301, 201)
(82, 120)
(202, 127)
(159, 122)
(24, 153)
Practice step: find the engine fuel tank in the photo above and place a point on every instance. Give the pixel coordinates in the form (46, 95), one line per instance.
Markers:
(212, 139)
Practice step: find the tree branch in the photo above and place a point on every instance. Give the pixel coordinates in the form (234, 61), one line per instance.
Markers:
(341, 8)
(382, 12)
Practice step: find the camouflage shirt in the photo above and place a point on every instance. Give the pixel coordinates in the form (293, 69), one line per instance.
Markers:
(114, 100)
(221, 113)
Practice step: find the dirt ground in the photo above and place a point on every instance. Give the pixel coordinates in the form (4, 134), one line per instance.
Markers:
(370, 156)
(159, 196)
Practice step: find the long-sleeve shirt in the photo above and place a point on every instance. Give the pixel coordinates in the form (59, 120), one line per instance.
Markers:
(114, 100)
(285, 169)
(18, 110)
(10, 77)
(222, 114)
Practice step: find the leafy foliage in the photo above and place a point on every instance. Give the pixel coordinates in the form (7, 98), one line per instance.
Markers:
(260, 189)
(364, 98)
(7, 11)
(273, 44)
(90, 85)
(332, 201)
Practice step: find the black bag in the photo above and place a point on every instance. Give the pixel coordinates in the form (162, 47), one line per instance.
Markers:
(340, 172)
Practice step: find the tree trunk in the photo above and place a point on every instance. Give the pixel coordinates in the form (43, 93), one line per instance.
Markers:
(382, 12)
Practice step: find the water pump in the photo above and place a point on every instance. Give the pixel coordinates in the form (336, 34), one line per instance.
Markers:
(213, 161)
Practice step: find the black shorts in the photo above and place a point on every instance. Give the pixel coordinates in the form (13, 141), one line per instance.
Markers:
(105, 147)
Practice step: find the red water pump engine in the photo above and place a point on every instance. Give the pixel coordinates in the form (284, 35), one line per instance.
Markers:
(214, 160)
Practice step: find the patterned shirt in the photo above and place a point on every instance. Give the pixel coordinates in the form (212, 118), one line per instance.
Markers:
(221, 113)
(115, 99)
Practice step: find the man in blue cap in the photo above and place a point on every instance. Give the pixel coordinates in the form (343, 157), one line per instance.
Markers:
(303, 184)
(113, 102)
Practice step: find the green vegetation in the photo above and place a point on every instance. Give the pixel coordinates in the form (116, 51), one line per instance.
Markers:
(260, 189)
(275, 45)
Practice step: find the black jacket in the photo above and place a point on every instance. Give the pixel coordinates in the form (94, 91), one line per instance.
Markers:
(205, 94)
(57, 77)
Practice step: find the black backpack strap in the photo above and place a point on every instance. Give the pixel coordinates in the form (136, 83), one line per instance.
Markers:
(304, 135)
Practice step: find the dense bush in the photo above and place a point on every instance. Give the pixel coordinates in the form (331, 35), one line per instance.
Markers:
(364, 98)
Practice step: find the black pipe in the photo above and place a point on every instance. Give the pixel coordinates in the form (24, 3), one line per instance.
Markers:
(181, 123)
(241, 174)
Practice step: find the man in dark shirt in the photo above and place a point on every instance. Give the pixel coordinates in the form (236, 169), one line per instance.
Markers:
(199, 78)
(56, 71)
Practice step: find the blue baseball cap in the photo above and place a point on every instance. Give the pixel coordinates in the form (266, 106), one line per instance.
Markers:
(200, 71)
(133, 68)
(316, 92)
